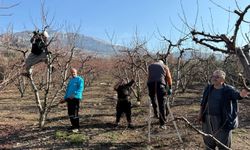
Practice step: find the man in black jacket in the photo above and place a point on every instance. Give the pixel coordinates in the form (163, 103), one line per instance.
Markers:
(123, 104)
(218, 111)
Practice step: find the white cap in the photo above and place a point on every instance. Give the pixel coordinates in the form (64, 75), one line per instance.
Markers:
(160, 61)
(45, 33)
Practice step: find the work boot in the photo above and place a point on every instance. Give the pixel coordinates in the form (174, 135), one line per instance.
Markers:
(70, 128)
(163, 127)
(75, 130)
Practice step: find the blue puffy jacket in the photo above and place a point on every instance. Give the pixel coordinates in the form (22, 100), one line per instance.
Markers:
(75, 88)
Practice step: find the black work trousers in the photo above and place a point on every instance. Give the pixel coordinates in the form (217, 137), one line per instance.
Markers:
(157, 90)
(123, 106)
(73, 110)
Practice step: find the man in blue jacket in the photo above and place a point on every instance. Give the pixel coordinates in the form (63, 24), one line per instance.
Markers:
(73, 96)
(218, 111)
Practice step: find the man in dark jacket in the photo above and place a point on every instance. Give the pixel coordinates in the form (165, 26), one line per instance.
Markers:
(123, 104)
(218, 111)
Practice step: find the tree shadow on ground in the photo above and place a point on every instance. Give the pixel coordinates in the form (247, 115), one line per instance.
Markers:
(20, 135)
(45, 138)
(121, 146)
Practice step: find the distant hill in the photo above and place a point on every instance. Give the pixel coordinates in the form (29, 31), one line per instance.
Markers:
(188, 54)
(92, 44)
(83, 42)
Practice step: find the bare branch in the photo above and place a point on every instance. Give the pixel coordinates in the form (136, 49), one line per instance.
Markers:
(179, 30)
(229, 16)
(211, 38)
(197, 13)
(238, 23)
(202, 133)
(220, 6)
(237, 5)
(8, 7)
(184, 15)
(212, 20)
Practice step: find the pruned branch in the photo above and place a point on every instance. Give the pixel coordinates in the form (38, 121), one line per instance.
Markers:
(208, 39)
(238, 22)
(202, 133)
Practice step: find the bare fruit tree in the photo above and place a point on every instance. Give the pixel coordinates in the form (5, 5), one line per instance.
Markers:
(177, 66)
(214, 42)
(132, 64)
(13, 54)
(6, 77)
(49, 84)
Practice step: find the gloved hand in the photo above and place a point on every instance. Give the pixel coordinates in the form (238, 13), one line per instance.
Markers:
(170, 91)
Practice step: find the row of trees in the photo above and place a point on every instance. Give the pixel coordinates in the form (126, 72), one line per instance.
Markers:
(198, 66)
(196, 70)
(132, 62)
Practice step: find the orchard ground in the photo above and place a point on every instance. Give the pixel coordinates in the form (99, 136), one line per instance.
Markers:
(19, 123)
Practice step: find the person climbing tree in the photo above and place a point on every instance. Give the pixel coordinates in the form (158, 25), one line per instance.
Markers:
(39, 52)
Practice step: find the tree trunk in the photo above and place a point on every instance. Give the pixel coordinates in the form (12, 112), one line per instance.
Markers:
(42, 118)
(244, 59)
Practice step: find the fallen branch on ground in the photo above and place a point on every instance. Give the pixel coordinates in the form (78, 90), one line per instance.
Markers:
(202, 133)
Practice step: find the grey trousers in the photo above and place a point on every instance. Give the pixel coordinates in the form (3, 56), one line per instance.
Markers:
(35, 59)
(213, 125)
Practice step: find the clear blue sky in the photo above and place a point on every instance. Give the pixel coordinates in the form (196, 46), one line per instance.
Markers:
(121, 17)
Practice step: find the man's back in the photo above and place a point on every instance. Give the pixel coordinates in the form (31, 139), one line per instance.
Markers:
(156, 73)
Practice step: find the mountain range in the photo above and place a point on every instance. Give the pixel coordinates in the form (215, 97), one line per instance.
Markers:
(86, 43)
(89, 44)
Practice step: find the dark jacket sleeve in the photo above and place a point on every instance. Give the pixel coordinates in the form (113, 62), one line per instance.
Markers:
(205, 95)
(230, 108)
(233, 94)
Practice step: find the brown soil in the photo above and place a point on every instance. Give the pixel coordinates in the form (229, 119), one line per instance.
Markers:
(18, 123)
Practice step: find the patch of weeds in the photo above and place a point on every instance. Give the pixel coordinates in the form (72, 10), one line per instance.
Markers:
(61, 134)
(113, 136)
(71, 137)
(77, 138)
